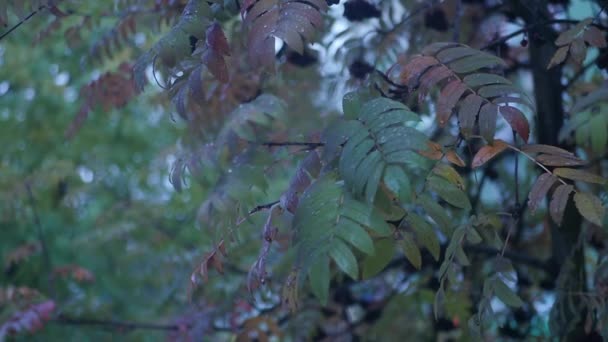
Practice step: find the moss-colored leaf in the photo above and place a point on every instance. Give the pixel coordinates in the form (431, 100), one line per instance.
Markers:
(375, 263)
(579, 175)
(506, 295)
(425, 234)
(411, 250)
(590, 207)
(449, 192)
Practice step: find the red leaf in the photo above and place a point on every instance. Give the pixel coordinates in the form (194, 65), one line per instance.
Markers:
(488, 152)
(450, 95)
(216, 65)
(216, 40)
(517, 121)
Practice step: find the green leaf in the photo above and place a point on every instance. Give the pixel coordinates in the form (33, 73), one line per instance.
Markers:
(449, 192)
(375, 263)
(425, 234)
(380, 138)
(590, 207)
(319, 277)
(411, 250)
(599, 133)
(356, 236)
(344, 258)
(351, 104)
(398, 182)
(436, 212)
(473, 236)
(506, 295)
(326, 217)
(450, 174)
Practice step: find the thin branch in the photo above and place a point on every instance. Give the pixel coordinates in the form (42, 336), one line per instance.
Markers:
(22, 21)
(311, 145)
(581, 72)
(262, 207)
(114, 324)
(531, 26)
(515, 257)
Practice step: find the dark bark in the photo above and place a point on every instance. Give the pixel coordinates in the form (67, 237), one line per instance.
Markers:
(549, 119)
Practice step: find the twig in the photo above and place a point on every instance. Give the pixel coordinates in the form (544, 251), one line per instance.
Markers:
(581, 72)
(114, 324)
(531, 26)
(22, 21)
(311, 145)
(262, 207)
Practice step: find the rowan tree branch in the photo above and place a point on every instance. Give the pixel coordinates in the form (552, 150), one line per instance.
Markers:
(311, 145)
(116, 324)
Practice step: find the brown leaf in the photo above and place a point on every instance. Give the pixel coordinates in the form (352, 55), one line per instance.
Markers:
(559, 202)
(487, 121)
(488, 152)
(579, 175)
(548, 149)
(578, 51)
(566, 37)
(559, 160)
(559, 56)
(454, 158)
(448, 98)
(539, 190)
(595, 37)
(517, 120)
(467, 113)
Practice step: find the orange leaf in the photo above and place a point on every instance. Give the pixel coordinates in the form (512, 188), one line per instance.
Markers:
(434, 152)
(454, 158)
(488, 152)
